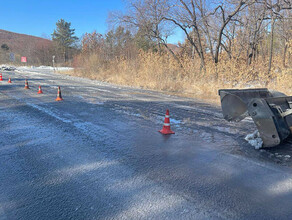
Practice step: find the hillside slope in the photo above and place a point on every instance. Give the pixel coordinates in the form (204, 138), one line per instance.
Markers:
(36, 49)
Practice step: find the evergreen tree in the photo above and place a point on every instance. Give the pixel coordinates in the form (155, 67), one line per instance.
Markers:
(118, 41)
(64, 37)
(4, 47)
(144, 42)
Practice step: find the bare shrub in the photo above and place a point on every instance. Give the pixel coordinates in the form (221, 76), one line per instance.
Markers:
(154, 71)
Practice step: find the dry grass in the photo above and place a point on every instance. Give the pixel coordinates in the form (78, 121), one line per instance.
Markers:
(163, 73)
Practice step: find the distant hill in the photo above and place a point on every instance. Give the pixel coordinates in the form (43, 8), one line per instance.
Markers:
(36, 49)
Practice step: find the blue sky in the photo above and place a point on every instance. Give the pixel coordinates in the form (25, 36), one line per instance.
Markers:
(38, 17)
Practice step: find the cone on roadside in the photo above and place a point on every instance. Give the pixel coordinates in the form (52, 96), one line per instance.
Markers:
(9, 80)
(40, 90)
(1, 77)
(26, 85)
(59, 96)
(166, 126)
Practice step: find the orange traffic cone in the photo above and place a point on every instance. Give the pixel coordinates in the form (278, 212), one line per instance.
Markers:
(40, 90)
(9, 80)
(166, 126)
(26, 85)
(59, 96)
(1, 77)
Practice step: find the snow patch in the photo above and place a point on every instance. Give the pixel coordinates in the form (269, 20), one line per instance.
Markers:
(88, 126)
(254, 140)
(175, 121)
(5, 67)
(46, 68)
(129, 113)
(47, 111)
(225, 129)
(56, 68)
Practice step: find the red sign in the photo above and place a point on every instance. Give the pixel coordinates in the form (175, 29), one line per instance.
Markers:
(23, 59)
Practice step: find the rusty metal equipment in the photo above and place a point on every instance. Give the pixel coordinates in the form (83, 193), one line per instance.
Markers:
(271, 111)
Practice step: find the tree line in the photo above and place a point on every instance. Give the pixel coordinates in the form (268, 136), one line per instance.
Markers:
(239, 28)
(245, 30)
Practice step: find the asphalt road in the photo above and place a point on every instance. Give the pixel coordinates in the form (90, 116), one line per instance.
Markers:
(98, 155)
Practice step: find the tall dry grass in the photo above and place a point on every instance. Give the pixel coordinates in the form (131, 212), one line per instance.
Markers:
(163, 73)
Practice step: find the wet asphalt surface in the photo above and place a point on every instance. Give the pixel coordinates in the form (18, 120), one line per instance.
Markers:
(98, 155)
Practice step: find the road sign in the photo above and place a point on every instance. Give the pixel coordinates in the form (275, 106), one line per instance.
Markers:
(23, 59)
(12, 57)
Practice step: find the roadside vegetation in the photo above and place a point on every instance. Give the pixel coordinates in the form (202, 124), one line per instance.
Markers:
(235, 44)
(228, 44)
(162, 72)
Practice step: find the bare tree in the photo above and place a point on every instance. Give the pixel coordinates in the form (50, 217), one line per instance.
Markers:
(184, 14)
(147, 17)
(205, 25)
(275, 8)
(227, 14)
(254, 24)
(285, 32)
(237, 28)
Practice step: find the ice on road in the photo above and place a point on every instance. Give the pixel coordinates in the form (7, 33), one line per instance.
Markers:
(99, 155)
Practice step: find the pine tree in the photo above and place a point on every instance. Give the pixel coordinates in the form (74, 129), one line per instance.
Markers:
(64, 37)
